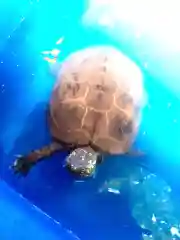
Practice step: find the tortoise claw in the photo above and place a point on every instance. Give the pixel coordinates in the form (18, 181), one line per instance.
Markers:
(21, 165)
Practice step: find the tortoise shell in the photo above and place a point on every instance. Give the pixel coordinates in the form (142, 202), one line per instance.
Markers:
(97, 100)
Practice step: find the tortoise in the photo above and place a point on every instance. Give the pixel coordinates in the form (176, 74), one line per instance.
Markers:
(95, 110)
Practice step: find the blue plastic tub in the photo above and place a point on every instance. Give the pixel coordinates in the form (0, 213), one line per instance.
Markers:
(21, 220)
(49, 203)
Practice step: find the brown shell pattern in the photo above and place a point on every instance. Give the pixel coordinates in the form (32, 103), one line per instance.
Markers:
(98, 98)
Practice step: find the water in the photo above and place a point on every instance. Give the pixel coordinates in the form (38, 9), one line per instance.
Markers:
(111, 205)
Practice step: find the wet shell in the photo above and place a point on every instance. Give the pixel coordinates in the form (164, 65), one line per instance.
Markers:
(98, 99)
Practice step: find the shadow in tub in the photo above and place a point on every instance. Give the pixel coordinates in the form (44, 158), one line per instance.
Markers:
(34, 135)
(49, 186)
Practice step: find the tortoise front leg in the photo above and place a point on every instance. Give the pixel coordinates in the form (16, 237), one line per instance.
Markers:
(23, 164)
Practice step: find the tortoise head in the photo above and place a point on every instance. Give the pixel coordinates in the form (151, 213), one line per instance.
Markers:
(82, 162)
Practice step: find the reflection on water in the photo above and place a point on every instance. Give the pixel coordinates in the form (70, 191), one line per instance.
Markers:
(152, 202)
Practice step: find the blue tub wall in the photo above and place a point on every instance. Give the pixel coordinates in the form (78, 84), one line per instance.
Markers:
(20, 220)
